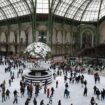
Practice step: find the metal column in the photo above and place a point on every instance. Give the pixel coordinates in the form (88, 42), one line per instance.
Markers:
(34, 20)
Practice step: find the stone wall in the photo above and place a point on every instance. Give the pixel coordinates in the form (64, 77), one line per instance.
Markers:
(64, 40)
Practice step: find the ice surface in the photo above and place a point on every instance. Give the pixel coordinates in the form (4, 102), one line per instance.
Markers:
(76, 90)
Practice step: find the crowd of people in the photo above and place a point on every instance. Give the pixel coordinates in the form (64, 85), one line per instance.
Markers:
(71, 74)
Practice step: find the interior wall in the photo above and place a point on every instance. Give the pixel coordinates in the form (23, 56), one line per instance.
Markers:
(2, 37)
(30, 35)
(62, 38)
(102, 32)
(11, 37)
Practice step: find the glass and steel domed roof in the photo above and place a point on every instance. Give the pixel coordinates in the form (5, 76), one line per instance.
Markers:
(81, 10)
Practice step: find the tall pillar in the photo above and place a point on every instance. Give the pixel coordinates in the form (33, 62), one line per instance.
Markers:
(72, 41)
(81, 40)
(56, 40)
(15, 34)
(26, 33)
(0, 38)
(19, 27)
(7, 34)
(33, 3)
(66, 49)
(92, 40)
(50, 21)
(62, 36)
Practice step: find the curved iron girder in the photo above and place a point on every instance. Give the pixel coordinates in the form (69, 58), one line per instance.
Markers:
(57, 6)
(69, 7)
(3, 13)
(49, 7)
(99, 10)
(34, 19)
(52, 4)
(34, 7)
(13, 8)
(32, 3)
(79, 9)
(85, 9)
(25, 1)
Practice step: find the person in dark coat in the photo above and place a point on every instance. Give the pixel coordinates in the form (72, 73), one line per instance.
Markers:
(34, 101)
(65, 92)
(7, 94)
(85, 91)
(97, 93)
(59, 102)
(57, 84)
(42, 102)
(3, 96)
(45, 89)
(15, 96)
(52, 91)
(85, 83)
(46, 82)
(27, 101)
(9, 82)
(102, 95)
(66, 85)
(37, 90)
(92, 101)
(50, 100)
(94, 89)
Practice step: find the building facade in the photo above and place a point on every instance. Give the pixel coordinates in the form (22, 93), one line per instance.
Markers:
(65, 39)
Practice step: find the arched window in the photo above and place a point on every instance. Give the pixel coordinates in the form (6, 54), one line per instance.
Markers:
(87, 39)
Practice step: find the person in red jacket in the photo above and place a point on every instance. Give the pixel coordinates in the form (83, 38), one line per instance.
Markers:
(48, 92)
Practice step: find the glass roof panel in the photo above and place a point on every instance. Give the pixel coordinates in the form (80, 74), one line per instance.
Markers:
(74, 7)
(14, 1)
(9, 11)
(29, 3)
(92, 10)
(102, 12)
(3, 3)
(21, 8)
(88, 17)
(42, 6)
(2, 16)
(63, 5)
(54, 5)
(80, 10)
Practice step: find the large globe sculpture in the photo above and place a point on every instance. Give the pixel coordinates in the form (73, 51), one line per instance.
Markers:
(38, 74)
(38, 49)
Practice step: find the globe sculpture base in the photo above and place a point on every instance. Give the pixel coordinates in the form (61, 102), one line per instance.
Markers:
(38, 74)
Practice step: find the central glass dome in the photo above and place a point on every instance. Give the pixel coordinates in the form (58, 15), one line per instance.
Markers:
(81, 10)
